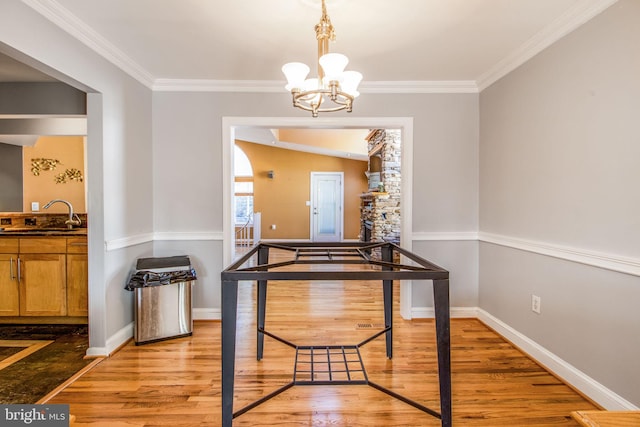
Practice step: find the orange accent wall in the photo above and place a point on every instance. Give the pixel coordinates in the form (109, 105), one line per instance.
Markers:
(281, 200)
(43, 188)
(347, 140)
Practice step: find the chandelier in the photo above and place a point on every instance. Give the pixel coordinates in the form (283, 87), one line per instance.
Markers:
(334, 89)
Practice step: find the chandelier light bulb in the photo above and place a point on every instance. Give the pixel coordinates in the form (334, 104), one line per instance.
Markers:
(310, 85)
(296, 73)
(333, 65)
(350, 82)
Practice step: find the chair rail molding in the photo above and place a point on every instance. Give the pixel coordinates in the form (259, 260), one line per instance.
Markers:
(607, 261)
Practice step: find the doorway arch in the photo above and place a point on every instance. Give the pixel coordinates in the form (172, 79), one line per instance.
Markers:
(405, 124)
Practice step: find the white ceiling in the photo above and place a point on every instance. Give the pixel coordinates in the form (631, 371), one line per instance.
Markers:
(418, 43)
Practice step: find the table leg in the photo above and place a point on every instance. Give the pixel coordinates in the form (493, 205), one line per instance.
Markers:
(229, 312)
(387, 291)
(262, 303)
(263, 258)
(443, 338)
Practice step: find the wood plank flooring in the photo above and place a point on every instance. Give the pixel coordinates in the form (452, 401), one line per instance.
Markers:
(177, 382)
(607, 418)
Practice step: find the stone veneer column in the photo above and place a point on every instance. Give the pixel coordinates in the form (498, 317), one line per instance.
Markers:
(383, 208)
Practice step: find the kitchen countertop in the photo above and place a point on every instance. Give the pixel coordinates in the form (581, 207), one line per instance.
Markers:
(58, 232)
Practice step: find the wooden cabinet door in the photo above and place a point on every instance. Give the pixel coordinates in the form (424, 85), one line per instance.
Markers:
(43, 279)
(77, 285)
(9, 291)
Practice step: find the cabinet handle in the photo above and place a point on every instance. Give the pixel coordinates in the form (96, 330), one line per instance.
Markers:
(19, 270)
(11, 273)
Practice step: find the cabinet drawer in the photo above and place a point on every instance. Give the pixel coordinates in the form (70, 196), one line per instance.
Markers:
(8, 245)
(76, 245)
(46, 245)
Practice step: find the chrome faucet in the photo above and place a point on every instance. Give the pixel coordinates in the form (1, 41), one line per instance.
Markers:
(73, 218)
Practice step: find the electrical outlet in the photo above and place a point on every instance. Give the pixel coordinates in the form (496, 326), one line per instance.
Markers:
(535, 304)
(273, 226)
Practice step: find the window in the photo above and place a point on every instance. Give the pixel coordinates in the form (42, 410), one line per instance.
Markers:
(243, 187)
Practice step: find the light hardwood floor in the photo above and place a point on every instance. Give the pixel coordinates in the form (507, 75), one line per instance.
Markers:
(177, 382)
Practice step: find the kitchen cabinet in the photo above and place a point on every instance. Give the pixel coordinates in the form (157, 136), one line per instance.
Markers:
(9, 291)
(77, 277)
(43, 280)
(43, 276)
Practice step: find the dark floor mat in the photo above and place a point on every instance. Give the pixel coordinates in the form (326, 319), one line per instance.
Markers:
(40, 332)
(31, 378)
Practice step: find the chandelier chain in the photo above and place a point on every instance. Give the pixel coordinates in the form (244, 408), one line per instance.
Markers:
(324, 28)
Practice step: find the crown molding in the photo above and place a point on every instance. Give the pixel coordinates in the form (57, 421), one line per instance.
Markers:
(566, 23)
(204, 85)
(54, 12)
(572, 19)
(420, 86)
(276, 86)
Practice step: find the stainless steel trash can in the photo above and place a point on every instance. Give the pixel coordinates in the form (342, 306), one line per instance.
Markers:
(163, 298)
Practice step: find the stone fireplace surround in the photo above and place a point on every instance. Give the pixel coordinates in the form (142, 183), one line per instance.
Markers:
(380, 210)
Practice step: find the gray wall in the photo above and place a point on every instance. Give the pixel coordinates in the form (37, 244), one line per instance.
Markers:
(41, 98)
(559, 151)
(10, 177)
(119, 169)
(188, 173)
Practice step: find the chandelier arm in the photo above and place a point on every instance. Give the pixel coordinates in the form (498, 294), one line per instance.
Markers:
(342, 101)
(336, 97)
(341, 106)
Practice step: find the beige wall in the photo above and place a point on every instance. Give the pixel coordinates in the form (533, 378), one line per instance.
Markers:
(281, 200)
(69, 150)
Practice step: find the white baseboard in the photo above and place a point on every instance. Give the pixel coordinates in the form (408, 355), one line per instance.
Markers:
(455, 312)
(126, 333)
(568, 373)
(113, 342)
(207, 314)
(97, 352)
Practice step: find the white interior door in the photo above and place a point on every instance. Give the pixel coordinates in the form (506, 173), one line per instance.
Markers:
(327, 199)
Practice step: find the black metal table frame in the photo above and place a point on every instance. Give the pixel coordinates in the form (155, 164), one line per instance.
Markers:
(333, 254)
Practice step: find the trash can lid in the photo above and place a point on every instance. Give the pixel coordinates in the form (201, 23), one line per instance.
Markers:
(163, 262)
(159, 271)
